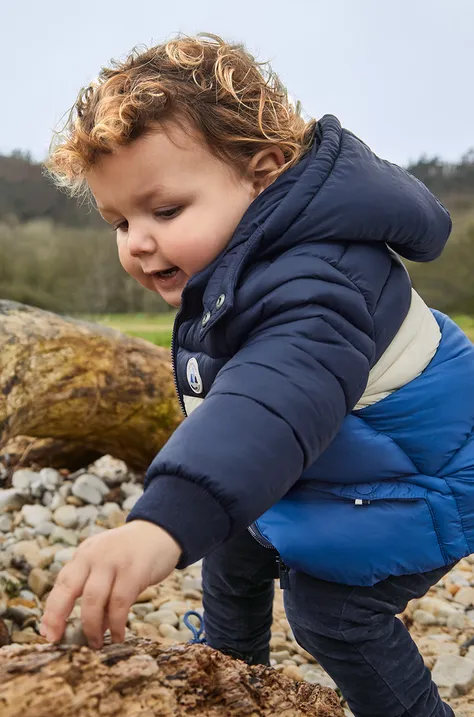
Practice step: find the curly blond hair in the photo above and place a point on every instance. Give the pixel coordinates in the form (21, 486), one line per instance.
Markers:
(237, 104)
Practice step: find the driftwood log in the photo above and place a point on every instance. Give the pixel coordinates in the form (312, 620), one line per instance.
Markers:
(140, 678)
(74, 391)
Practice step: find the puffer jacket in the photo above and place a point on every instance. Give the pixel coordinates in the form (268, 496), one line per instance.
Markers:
(351, 472)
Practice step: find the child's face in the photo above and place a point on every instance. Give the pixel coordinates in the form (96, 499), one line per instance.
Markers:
(174, 204)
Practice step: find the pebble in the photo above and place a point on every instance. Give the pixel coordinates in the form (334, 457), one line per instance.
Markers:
(65, 555)
(22, 480)
(66, 516)
(465, 596)
(454, 675)
(89, 488)
(10, 499)
(5, 524)
(34, 515)
(162, 617)
(40, 581)
(63, 535)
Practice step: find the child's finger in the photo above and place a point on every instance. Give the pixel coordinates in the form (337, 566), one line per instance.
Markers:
(121, 598)
(67, 588)
(94, 602)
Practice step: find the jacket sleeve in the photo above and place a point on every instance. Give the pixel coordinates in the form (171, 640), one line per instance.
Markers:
(272, 410)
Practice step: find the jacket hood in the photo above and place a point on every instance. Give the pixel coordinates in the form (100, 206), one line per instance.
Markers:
(341, 190)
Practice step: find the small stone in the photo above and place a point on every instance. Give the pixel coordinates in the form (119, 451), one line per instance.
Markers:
(47, 499)
(192, 595)
(422, 617)
(74, 634)
(40, 581)
(51, 478)
(45, 528)
(89, 488)
(86, 515)
(147, 595)
(6, 524)
(22, 480)
(168, 631)
(142, 608)
(465, 596)
(11, 499)
(190, 583)
(177, 606)
(454, 675)
(65, 555)
(27, 636)
(112, 470)
(34, 515)
(65, 490)
(66, 516)
(30, 551)
(130, 489)
(293, 673)
(457, 622)
(184, 635)
(75, 501)
(279, 656)
(317, 676)
(90, 530)
(63, 535)
(145, 630)
(162, 617)
(129, 502)
(57, 502)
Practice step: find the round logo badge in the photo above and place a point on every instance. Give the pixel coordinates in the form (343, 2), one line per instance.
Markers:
(193, 375)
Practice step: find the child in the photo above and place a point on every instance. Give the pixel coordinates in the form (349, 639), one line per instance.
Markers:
(330, 411)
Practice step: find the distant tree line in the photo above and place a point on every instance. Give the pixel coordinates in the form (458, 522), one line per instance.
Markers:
(58, 254)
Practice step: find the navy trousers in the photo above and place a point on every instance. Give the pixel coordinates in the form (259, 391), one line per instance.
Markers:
(351, 631)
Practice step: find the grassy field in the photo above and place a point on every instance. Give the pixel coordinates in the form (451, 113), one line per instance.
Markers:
(157, 328)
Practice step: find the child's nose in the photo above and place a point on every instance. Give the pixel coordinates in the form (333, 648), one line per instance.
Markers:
(140, 242)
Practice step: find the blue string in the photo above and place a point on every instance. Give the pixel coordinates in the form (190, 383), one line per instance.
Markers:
(197, 631)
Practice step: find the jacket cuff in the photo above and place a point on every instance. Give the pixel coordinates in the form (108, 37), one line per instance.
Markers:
(187, 511)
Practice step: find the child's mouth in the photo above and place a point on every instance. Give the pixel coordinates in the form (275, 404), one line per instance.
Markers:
(167, 278)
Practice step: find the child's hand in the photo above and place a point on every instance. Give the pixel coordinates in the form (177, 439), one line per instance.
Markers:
(109, 570)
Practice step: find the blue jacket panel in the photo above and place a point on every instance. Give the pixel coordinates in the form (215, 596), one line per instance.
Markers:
(279, 334)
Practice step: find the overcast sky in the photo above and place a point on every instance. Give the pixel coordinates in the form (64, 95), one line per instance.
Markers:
(397, 73)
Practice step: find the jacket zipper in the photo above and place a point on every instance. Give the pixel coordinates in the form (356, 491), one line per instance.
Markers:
(283, 569)
(173, 362)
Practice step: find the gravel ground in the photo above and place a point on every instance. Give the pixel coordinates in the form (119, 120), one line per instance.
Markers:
(45, 514)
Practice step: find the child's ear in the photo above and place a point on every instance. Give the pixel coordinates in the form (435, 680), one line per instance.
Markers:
(264, 166)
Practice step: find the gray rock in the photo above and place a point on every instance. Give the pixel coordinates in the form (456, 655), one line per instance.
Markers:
(65, 555)
(45, 528)
(65, 490)
(457, 621)
(129, 502)
(91, 530)
(279, 656)
(37, 488)
(454, 675)
(36, 514)
(63, 535)
(48, 498)
(6, 523)
(29, 550)
(423, 617)
(317, 676)
(162, 617)
(140, 609)
(10, 498)
(22, 480)
(86, 515)
(109, 509)
(129, 489)
(90, 489)
(57, 501)
(190, 583)
(51, 478)
(24, 532)
(112, 470)
(20, 613)
(66, 516)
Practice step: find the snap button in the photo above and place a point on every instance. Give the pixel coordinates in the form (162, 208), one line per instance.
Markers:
(220, 301)
(364, 488)
(205, 318)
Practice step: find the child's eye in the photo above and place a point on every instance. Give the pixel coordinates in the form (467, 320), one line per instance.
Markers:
(122, 227)
(168, 213)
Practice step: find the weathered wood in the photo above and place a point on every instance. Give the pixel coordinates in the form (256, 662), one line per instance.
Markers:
(83, 385)
(143, 679)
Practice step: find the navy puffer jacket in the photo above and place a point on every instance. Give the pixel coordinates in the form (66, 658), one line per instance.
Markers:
(278, 335)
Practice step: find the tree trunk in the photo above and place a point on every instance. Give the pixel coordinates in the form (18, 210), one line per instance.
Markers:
(87, 389)
(143, 679)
